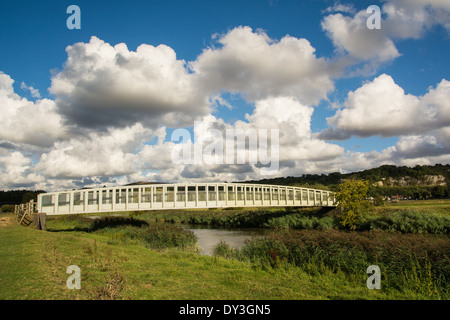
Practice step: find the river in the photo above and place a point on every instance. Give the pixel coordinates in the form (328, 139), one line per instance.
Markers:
(209, 237)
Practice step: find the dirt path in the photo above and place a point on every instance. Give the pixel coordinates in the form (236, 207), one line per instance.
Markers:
(7, 221)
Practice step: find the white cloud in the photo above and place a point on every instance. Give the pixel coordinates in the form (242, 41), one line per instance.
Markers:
(413, 18)
(23, 121)
(381, 107)
(99, 154)
(103, 86)
(348, 8)
(34, 92)
(16, 171)
(351, 35)
(251, 63)
(400, 19)
(293, 121)
(285, 114)
(110, 102)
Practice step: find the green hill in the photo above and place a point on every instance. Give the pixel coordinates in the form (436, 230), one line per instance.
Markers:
(417, 182)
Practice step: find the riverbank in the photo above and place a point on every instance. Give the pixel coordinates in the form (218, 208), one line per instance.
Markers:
(33, 265)
(139, 257)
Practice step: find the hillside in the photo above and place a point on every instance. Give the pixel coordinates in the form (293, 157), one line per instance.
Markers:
(413, 182)
(437, 175)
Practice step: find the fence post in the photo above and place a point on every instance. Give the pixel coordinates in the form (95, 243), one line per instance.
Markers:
(36, 221)
(42, 220)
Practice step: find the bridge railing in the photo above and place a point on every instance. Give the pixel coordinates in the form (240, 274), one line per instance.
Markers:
(178, 196)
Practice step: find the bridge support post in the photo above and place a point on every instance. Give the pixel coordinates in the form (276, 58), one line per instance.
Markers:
(43, 221)
(39, 220)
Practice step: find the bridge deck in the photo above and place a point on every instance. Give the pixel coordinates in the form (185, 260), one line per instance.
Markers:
(179, 196)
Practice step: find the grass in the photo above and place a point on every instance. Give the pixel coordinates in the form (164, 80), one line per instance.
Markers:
(33, 266)
(440, 206)
(409, 262)
(307, 256)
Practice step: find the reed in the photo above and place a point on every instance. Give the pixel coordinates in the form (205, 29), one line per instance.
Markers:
(418, 263)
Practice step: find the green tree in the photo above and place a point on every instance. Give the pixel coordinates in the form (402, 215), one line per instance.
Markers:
(352, 198)
(28, 196)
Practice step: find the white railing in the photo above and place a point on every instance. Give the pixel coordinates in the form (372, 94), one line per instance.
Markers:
(179, 196)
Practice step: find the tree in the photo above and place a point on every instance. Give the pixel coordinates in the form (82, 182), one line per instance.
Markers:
(29, 195)
(352, 198)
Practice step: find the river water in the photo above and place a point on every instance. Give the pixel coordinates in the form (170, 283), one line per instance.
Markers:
(209, 237)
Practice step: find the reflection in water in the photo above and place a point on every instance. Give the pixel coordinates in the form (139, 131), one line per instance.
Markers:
(208, 238)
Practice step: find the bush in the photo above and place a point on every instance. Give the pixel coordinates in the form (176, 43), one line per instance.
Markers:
(7, 208)
(224, 250)
(112, 222)
(265, 252)
(154, 236)
(167, 236)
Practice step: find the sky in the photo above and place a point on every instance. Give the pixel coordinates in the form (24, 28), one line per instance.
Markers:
(138, 87)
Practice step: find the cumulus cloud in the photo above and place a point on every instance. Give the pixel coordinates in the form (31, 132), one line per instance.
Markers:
(23, 121)
(381, 107)
(251, 63)
(419, 146)
(401, 19)
(103, 85)
(99, 154)
(350, 35)
(413, 18)
(293, 120)
(112, 102)
(16, 171)
(212, 136)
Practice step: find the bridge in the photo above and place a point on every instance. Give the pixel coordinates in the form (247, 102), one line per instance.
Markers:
(146, 197)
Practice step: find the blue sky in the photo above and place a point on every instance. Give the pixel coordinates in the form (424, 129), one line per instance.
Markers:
(328, 92)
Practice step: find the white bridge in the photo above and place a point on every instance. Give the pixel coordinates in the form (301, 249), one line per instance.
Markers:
(180, 196)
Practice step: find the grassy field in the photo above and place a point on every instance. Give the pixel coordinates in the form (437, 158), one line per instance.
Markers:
(435, 205)
(136, 260)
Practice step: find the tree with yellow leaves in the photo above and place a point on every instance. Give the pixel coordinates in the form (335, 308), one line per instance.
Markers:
(352, 199)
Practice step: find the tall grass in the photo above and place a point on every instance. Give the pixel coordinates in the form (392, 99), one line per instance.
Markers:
(408, 221)
(154, 236)
(417, 263)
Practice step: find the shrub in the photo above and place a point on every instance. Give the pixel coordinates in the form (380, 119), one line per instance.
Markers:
(223, 249)
(154, 236)
(7, 208)
(113, 222)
